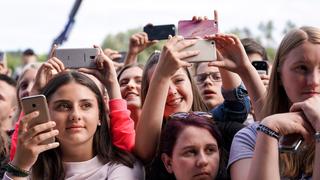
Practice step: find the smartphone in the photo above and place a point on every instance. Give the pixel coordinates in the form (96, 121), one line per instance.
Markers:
(37, 103)
(261, 66)
(207, 50)
(290, 143)
(78, 58)
(193, 29)
(159, 32)
(122, 58)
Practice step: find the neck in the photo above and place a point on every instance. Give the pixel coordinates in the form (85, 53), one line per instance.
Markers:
(77, 153)
(135, 114)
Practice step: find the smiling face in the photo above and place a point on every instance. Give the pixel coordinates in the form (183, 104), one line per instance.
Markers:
(195, 155)
(130, 86)
(75, 110)
(209, 87)
(300, 72)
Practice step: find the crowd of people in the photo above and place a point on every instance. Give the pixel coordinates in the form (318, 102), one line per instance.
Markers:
(168, 118)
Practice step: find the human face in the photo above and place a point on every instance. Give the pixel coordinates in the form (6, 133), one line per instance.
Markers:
(26, 83)
(210, 90)
(75, 110)
(300, 72)
(130, 86)
(195, 155)
(7, 107)
(180, 97)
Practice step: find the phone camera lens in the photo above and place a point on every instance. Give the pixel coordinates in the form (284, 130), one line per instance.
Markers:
(92, 57)
(34, 105)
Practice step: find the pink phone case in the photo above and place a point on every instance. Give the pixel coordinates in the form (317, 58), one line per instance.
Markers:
(193, 29)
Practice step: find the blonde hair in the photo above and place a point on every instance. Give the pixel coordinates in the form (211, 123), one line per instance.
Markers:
(277, 101)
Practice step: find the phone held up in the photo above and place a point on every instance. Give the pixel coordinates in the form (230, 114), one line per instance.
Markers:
(261, 66)
(290, 143)
(207, 50)
(159, 32)
(193, 29)
(78, 58)
(37, 103)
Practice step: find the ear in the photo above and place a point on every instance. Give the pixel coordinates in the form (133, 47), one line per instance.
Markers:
(167, 162)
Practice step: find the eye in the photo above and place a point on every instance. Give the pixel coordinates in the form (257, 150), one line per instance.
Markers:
(63, 107)
(301, 69)
(23, 85)
(124, 82)
(216, 77)
(178, 80)
(211, 150)
(138, 80)
(86, 106)
(189, 153)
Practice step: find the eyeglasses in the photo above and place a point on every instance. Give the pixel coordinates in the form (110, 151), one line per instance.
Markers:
(187, 115)
(213, 76)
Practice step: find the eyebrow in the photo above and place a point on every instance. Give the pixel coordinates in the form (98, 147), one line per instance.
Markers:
(68, 101)
(192, 146)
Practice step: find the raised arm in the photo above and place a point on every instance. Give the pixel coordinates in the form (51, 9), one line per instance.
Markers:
(149, 126)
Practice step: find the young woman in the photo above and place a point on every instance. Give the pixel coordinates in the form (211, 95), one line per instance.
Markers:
(83, 147)
(191, 147)
(290, 106)
(130, 77)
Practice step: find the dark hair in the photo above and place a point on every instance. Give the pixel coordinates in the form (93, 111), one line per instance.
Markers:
(251, 46)
(49, 164)
(8, 80)
(28, 52)
(197, 105)
(128, 66)
(175, 126)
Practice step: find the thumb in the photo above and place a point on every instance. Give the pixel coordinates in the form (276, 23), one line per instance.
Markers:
(296, 107)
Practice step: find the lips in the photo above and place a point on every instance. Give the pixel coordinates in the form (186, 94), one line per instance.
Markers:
(202, 174)
(174, 101)
(74, 127)
(131, 94)
(208, 91)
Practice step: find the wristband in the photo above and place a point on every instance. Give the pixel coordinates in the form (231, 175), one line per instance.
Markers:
(16, 171)
(268, 131)
(317, 136)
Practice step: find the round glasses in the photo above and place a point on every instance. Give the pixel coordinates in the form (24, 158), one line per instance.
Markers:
(213, 76)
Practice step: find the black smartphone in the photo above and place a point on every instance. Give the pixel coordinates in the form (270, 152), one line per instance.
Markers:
(122, 58)
(290, 143)
(159, 32)
(261, 66)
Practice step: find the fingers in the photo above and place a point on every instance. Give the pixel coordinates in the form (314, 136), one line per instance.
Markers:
(45, 147)
(23, 125)
(37, 129)
(215, 12)
(180, 45)
(56, 64)
(53, 51)
(41, 137)
(297, 107)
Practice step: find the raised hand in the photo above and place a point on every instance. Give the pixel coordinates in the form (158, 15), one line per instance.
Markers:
(30, 139)
(139, 42)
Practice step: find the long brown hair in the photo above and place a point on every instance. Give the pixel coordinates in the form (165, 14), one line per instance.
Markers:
(277, 101)
(49, 163)
(197, 104)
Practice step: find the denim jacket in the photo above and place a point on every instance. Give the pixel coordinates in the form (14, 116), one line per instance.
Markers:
(236, 105)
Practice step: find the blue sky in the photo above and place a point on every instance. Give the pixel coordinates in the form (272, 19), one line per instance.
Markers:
(35, 23)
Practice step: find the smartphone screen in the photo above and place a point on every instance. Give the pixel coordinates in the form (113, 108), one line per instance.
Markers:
(37, 103)
(290, 143)
(261, 66)
(193, 29)
(159, 32)
(122, 58)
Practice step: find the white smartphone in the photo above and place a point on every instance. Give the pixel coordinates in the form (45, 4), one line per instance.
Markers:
(207, 50)
(78, 58)
(37, 103)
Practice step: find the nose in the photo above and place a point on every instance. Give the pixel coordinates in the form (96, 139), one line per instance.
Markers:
(75, 114)
(207, 81)
(131, 84)
(314, 78)
(202, 160)
(30, 85)
(172, 89)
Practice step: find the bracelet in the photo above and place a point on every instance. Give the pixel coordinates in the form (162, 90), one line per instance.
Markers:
(16, 171)
(268, 131)
(317, 136)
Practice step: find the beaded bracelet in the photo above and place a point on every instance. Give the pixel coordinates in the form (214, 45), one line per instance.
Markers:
(317, 136)
(16, 171)
(268, 131)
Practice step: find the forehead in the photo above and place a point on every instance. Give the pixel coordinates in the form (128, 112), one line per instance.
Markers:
(29, 74)
(131, 72)
(204, 68)
(307, 52)
(192, 135)
(73, 91)
(6, 88)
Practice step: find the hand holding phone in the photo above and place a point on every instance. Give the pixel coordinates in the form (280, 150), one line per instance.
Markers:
(193, 29)
(37, 103)
(78, 58)
(207, 50)
(159, 32)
